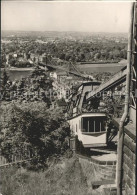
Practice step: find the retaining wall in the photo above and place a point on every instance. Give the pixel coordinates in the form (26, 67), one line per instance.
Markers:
(129, 161)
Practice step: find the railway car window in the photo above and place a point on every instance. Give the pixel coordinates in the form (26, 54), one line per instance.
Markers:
(91, 124)
(103, 125)
(82, 124)
(97, 125)
(85, 124)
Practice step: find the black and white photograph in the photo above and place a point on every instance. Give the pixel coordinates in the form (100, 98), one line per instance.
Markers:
(68, 97)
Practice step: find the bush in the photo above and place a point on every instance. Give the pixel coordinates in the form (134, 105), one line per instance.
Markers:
(80, 148)
(36, 129)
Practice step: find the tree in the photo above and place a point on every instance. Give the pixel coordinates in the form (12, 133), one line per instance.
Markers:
(97, 56)
(82, 56)
(5, 78)
(116, 53)
(12, 62)
(35, 128)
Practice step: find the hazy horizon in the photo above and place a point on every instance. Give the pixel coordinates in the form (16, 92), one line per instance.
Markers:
(65, 31)
(88, 16)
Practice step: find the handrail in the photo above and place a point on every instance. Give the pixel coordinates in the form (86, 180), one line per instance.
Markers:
(15, 159)
(15, 162)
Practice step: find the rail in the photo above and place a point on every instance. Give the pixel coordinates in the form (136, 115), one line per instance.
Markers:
(15, 160)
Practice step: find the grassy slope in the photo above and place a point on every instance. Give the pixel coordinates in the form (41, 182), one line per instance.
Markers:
(65, 178)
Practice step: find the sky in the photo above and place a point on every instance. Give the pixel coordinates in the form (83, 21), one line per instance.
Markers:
(86, 16)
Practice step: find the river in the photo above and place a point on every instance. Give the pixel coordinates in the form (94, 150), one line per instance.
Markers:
(18, 73)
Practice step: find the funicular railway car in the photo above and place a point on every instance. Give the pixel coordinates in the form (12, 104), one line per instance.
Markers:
(90, 128)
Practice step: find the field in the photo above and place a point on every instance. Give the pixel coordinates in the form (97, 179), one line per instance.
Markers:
(91, 68)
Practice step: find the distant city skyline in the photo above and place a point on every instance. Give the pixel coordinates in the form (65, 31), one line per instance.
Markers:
(77, 16)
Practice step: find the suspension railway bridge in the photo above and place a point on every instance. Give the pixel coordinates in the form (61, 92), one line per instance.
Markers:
(70, 69)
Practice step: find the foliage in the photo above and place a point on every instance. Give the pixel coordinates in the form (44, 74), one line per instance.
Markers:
(4, 78)
(80, 149)
(35, 87)
(34, 128)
